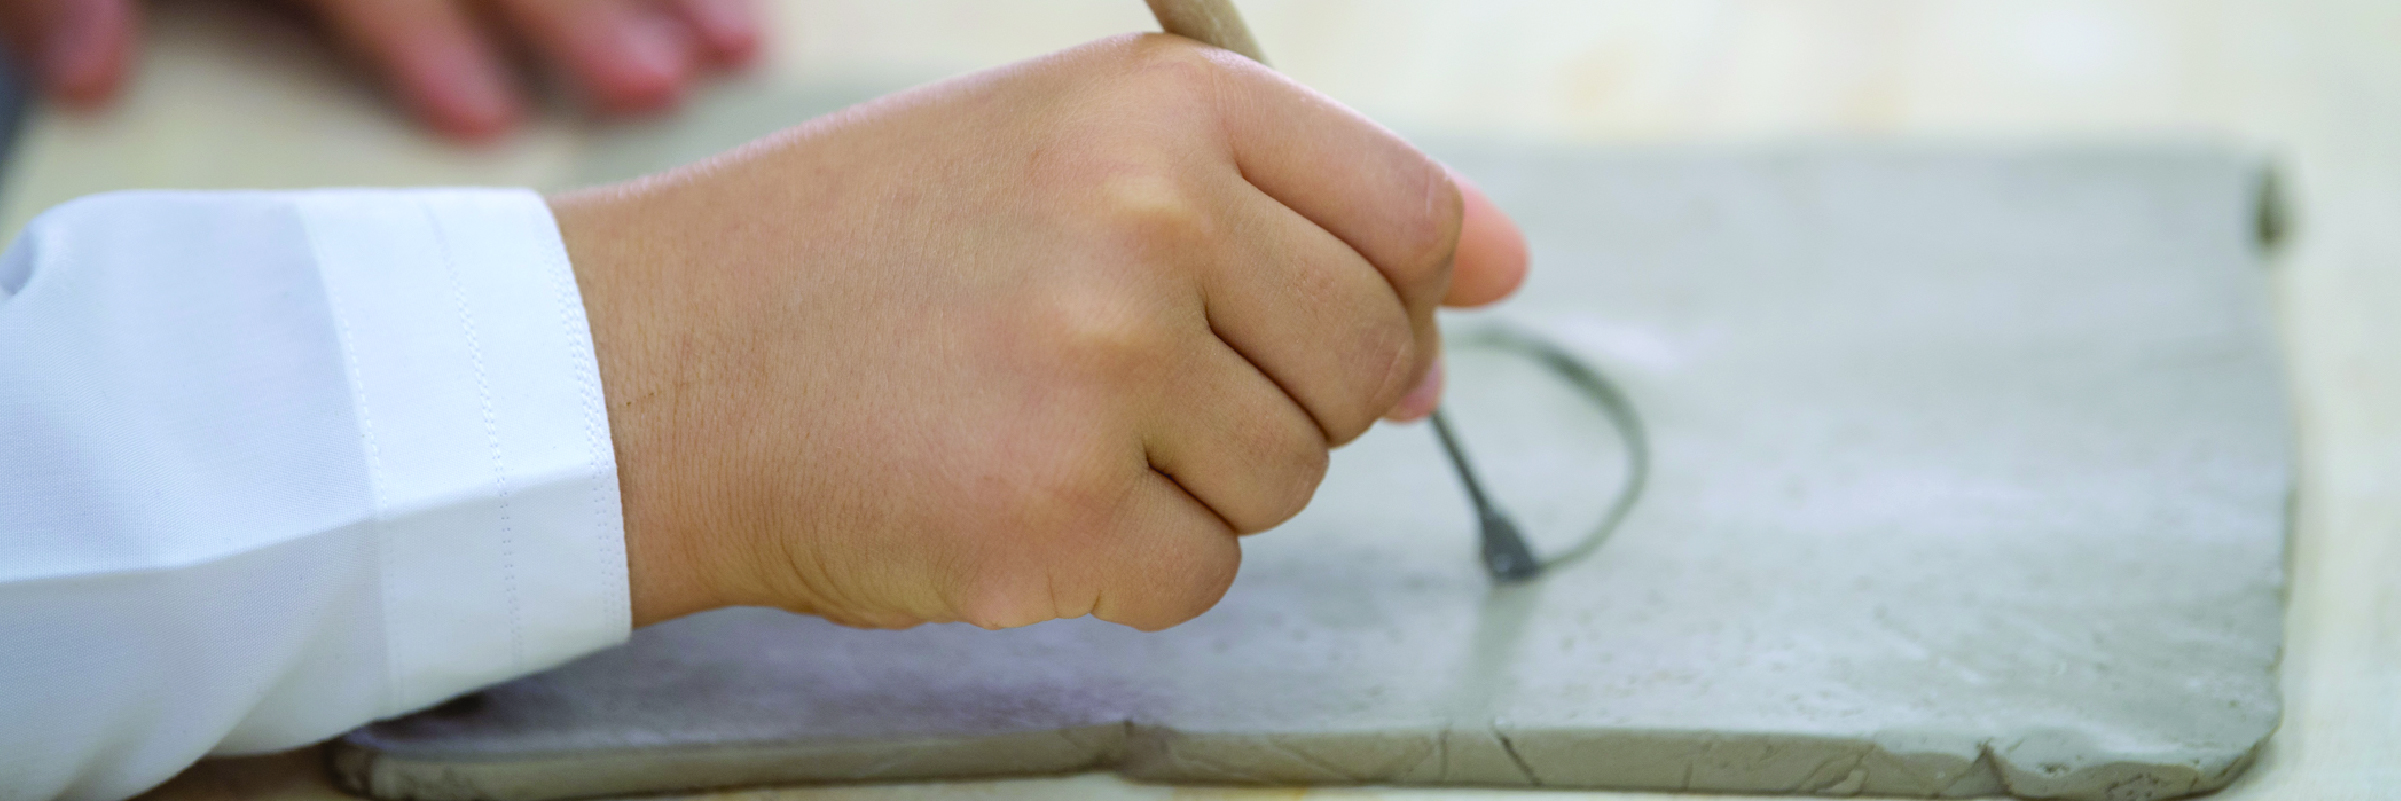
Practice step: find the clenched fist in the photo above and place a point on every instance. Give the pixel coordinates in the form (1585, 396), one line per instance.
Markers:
(1035, 343)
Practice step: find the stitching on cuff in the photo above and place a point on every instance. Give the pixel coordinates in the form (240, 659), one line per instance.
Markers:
(575, 326)
(500, 473)
(378, 483)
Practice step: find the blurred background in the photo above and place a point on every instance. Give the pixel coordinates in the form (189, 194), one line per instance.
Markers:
(228, 96)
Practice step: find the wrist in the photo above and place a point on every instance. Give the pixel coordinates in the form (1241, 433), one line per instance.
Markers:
(664, 565)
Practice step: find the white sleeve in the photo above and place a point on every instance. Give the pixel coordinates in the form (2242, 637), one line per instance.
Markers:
(273, 465)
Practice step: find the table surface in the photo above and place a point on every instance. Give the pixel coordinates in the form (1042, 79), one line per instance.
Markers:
(2314, 83)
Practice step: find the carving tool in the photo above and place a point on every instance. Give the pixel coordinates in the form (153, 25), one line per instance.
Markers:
(1506, 557)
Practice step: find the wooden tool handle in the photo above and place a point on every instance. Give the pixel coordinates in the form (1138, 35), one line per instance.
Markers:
(1210, 22)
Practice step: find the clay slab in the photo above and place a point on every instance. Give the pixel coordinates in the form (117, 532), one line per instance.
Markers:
(1971, 474)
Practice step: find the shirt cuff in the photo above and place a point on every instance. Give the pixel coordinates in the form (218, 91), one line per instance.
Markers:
(500, 535)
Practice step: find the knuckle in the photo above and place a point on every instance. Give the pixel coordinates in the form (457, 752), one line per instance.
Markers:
(1172, 64)
(1103, 337)
(1293, 461)
(1305, 471)
(1204, 582)
(1153, 213)
(1426, 241)
(1079, 494)
(1192, 588)
(1396, 346)
(1000, 600)
(1071, 505)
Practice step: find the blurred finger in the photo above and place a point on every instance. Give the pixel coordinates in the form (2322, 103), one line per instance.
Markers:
(78, 51)
(728, 31)
(627, 57)
(434, 57)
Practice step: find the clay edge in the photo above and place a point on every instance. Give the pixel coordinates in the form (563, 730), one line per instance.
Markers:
(1911, 765)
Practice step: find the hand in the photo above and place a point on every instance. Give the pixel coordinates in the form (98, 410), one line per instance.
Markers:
(627, 56)
(1035, 343)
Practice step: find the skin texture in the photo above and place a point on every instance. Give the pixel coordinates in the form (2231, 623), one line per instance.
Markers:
(444, 59)
(1035, 343)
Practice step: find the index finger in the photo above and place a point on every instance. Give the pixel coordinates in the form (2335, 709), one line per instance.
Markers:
(1392, 204)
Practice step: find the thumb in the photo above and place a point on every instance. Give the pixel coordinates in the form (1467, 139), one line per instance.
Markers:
(1491, 260)
(77, 50)
(1489, 265)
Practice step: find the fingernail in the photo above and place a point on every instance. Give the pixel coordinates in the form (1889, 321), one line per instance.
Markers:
(1421, 401)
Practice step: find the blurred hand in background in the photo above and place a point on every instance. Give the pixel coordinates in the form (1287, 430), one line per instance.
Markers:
(447, 60)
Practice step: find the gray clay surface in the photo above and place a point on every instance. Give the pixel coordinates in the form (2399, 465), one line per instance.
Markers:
(1970, 478)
